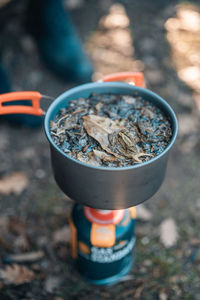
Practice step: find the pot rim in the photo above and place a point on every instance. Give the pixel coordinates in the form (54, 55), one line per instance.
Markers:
(110, 84)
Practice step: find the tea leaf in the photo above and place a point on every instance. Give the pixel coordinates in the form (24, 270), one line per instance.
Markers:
(104, 156)
(99, 128)
(128, 128)
(89, 159)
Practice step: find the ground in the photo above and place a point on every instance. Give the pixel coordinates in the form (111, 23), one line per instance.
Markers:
(35, 217)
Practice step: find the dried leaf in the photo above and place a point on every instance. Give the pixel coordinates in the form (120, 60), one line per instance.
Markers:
(26, 257)
(98, 107)
(89, 159)
(104, 156)
(129, 99)
(62, 235)
(168, 232)
(97, 124)
(99, 128)
(143, 213)
(14, 183)
(16, 274)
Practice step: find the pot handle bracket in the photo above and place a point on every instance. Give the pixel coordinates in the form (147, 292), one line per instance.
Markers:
(133, 78)
(34, 109)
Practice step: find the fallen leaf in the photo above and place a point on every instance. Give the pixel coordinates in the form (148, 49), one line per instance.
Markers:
(16, 274)
(26, 257)
(116, 19)
(62, 235)
(14, 183)
(143, 213)
(168, 232)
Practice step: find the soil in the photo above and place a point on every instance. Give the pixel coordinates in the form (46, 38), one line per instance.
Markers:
(36, 217)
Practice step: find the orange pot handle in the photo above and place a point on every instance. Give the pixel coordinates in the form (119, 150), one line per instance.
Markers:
(21, 109)
(135, 78)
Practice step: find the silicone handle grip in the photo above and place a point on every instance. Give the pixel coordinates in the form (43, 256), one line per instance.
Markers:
(137, 78)
(21, 109)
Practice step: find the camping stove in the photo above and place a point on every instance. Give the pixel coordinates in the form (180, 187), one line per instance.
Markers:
(102, 242)
(102, 236)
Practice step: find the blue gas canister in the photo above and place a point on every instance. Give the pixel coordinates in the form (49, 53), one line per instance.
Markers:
(102, 242)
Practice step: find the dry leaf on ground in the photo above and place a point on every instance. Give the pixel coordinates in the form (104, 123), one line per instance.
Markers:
(26, 257)
(14, 183)
(61, 235)
(168, 232)
(16, 274)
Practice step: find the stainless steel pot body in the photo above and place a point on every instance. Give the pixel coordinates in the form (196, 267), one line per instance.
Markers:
(102, 187)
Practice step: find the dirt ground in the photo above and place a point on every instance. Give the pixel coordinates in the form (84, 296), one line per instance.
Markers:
(34, 218)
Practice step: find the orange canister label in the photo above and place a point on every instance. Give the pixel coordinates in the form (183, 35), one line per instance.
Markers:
(102, 235)
(133, 212)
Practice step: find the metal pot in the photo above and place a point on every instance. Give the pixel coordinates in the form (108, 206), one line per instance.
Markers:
(105, 187)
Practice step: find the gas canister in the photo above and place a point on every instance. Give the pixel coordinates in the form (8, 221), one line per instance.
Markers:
(102, 242)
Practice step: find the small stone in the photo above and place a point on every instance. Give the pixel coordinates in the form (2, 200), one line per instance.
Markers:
(51, 283)
(40, 173)
(147, 44)
(163, 296)
(145, 240)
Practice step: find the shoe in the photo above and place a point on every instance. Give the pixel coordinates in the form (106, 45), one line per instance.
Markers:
(19, 119)
(58, 43)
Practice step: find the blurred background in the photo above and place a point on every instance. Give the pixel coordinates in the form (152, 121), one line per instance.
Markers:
(159, 38)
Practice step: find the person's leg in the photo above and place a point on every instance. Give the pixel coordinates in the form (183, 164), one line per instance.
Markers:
(19, 119)
(4, 82)
(57, 40)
